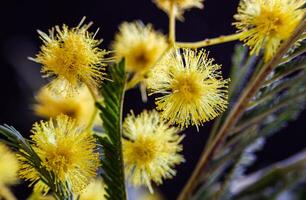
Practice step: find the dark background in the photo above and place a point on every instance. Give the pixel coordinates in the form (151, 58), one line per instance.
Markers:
(20, 78)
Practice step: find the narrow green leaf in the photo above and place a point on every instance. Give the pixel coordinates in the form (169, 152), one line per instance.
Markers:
(111, 115)
(270, 182)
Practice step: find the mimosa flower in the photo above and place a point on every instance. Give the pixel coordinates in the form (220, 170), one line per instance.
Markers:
(140, 45)
(150, 149)
(192, 88)
(8, 166)
(265, 24)
(145, 195)
(72, 57)
(94, 191)
(179, 5)
(79, 106)
(38, 195)
(65, 150)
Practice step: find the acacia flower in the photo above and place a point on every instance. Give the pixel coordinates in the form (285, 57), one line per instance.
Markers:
(79, 106)
(37, 195)
(65, 150)
(8, 166)
(192, 88)
(140, 45)
(145, 195)
(94, 191)
(265, 24)
(150, 149)
(72, 57)
(179, 5)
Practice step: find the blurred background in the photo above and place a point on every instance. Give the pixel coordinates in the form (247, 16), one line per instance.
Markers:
(20, 78)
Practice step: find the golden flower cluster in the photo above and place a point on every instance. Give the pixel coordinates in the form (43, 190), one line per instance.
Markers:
(66, 150)
(94, 191)
(150, 149)
(179, 6)
(187, 84)
(72, 57)
(265, 24)
(79, 106)
(192, 88)
(140, 45)
(8, 166)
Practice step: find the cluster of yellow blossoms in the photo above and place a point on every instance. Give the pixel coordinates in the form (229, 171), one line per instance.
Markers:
(150, 148)
(179, 6)
(79, 106)
(8, 171)
(140, 45)
(190, 86)
(8, 166)
(64, 149)
(265, 24)
(71, 57)
(94, 191)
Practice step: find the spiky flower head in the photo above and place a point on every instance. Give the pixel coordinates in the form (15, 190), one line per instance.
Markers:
(94, 191)
(66, 150)
(37, 195)
(8, 166)
(150, 149)
(72, 57)
(79, 106)
(192, 88)
(265, 24)
(140, 45)
(179, 5)
(145, 195)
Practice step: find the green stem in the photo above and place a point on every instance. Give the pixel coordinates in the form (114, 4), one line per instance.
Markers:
(172, 25)
(121, 148)
(210, 42)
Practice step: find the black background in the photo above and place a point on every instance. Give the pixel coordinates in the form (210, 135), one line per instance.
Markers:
(20, 78)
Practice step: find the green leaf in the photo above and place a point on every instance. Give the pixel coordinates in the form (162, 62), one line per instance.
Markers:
(280, 100)
(269, 183)
(111, 115)
(242, 66)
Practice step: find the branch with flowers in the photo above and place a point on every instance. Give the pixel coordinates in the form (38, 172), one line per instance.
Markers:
(87, 149)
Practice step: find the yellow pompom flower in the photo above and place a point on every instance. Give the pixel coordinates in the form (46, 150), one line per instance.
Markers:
(72, 57)
(140, 45)
(145, 195)
(179, 5)
(193, 90)
(265, 24)
(94, 191)
(150, 149)
(36, 195)
(66, 150)
(79, 106)
(8, 166)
